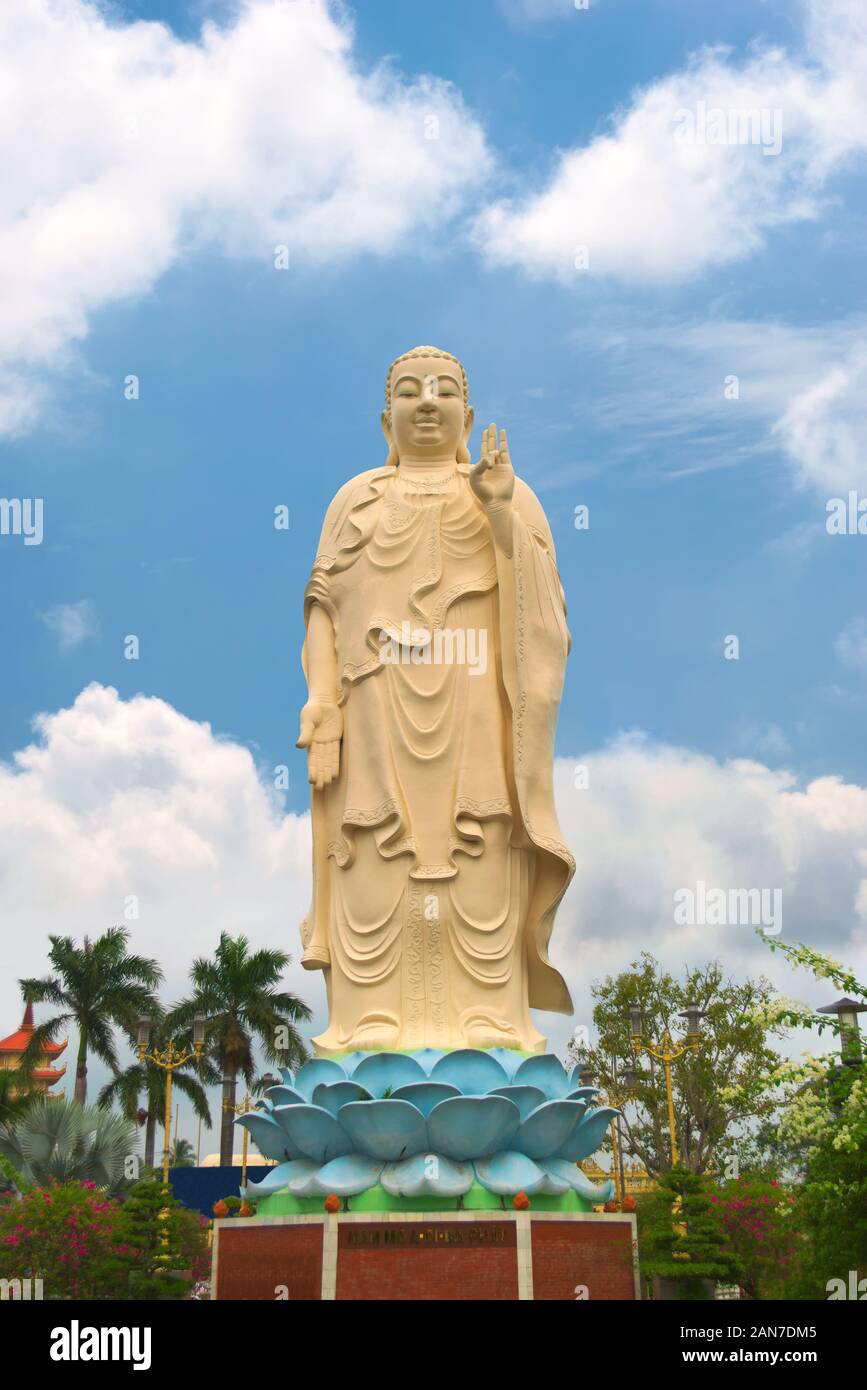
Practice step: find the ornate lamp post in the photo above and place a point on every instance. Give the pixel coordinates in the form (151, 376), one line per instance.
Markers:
(667, 1051)
(629, 1078)
(246, 1105)
(168, 1060)
(616, 1095)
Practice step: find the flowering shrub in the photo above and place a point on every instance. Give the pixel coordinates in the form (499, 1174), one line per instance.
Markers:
(85, 1245)
(762, 1228)
(68, 1236)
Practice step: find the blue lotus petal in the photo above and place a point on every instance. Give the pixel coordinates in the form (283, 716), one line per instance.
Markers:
(552, 1185)
(586, 1093)
(313, 1073)
(276, 1179)
(508, 1059)
(569, 1173)
(288, 1076)
(575, 1082)
(305, 1184)
(351, 1061)
(546, 1130)
(587, 1134)
(269, 1136)
(385, 1129)
(285, 1095)
(314, 1132)
(474, 1073)
(333, 1096)
(547, 1073)
(424, 1095)
(346, 1176)
(427, 1175)
(385, 1071)
(427, 1058)
(470, 1126)
(509, 1172)
(527, 1098)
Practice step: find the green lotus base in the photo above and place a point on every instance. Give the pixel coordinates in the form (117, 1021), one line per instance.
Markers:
(377, 1199)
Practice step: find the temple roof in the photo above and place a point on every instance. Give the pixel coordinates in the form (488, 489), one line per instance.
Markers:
(17, 1042)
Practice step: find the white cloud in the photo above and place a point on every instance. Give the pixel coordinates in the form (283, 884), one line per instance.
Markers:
(824, 428)
(126, 148)
(657, 818)
(129, 798)
(652, 206)
(71, 623)
(851, 645)
(800, 392)
(118, 798)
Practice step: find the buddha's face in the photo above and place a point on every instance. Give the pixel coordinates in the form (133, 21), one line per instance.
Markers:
(427, 409)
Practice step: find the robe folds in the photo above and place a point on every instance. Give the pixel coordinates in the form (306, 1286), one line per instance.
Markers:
(438, 862)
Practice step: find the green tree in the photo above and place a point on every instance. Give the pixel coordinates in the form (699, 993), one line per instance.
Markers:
(823, 1114)
(681, 1236)
(96, 985)
(734, 1051)
(167, 1237)
(60, 1141)
(183, 1154)
(237, 992)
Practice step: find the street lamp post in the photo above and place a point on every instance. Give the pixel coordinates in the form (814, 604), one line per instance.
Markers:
(168, 1059)
(667, 1051)
(847, 1011)
(629, 1077)
(246, 1105)
(616, 1096)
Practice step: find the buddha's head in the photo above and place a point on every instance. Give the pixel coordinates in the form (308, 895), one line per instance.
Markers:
(427, 416)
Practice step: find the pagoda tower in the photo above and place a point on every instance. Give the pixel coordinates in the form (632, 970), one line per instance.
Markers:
(42, 1078)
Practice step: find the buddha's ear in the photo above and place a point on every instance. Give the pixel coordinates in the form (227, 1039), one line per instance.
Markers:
(389, 439)
(463, 448)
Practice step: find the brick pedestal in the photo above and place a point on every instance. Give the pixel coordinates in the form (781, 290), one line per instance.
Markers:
(394, 1256)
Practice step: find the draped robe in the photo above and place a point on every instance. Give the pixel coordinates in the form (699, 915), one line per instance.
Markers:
(438, 861)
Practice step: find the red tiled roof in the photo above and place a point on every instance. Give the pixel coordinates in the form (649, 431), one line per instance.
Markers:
(17, 1042)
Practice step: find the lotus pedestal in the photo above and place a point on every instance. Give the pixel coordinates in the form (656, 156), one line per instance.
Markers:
(438, 1255)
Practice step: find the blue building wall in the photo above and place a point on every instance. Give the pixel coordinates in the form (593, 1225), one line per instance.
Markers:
(200, 1188)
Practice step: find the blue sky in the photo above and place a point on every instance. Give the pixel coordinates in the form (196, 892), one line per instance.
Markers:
(261, 387)
(258, 388)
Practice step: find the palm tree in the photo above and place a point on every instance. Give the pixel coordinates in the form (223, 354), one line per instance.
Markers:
(96, 985)
(237, 993)
(183, 1154)
(143, 1078)
(61, 1141)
